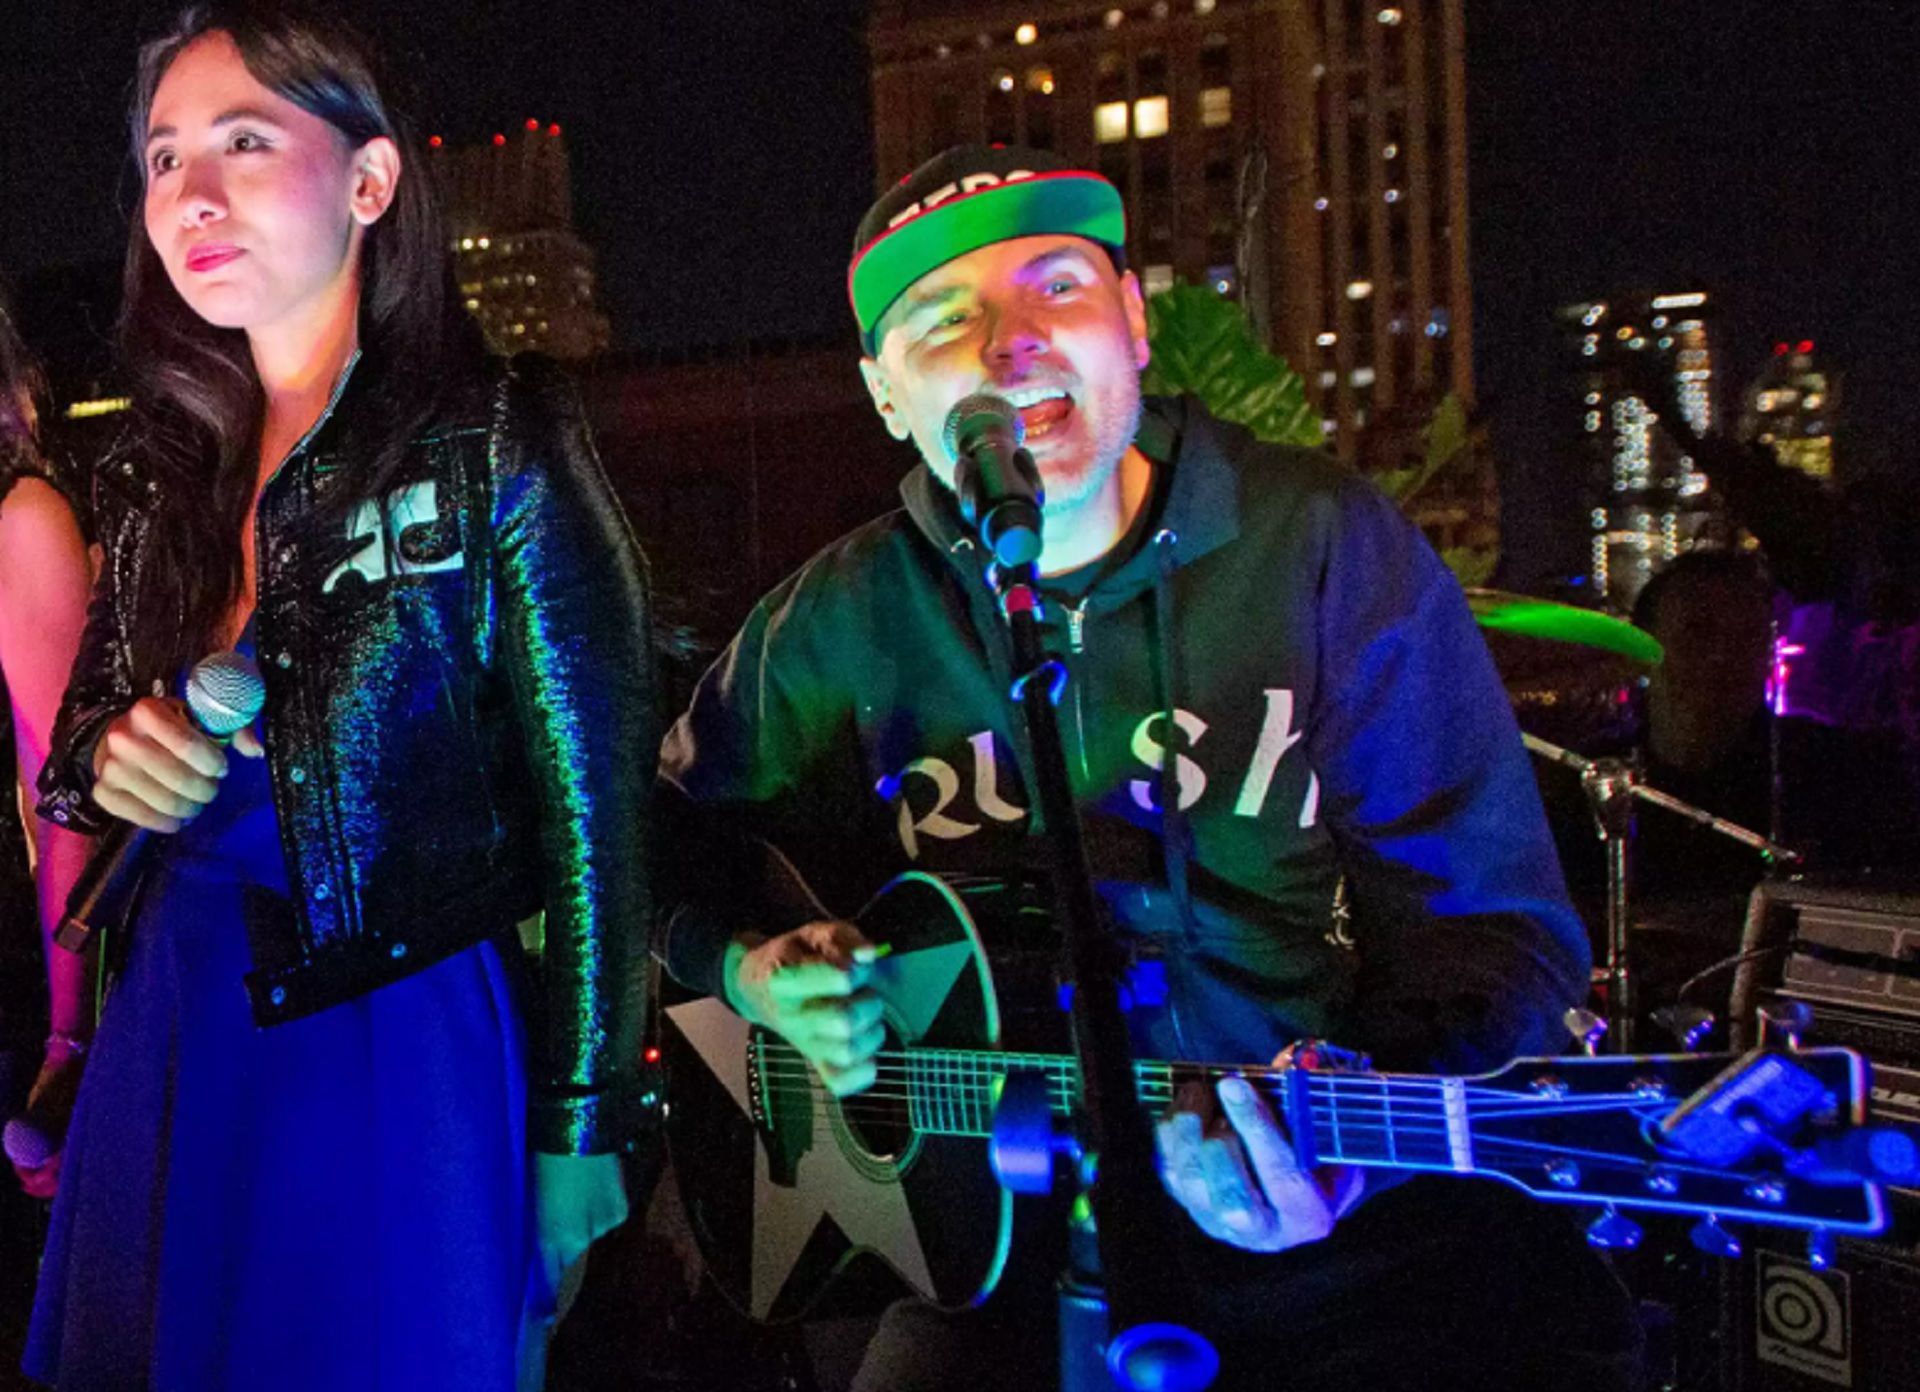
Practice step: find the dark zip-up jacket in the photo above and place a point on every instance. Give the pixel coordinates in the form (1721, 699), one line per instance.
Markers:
(1286, 637)
(459, 722)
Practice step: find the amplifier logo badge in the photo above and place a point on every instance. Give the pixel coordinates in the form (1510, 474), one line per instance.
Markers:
(1804, 1319)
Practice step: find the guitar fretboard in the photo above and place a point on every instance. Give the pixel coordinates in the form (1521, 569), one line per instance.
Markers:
(1351, 1118)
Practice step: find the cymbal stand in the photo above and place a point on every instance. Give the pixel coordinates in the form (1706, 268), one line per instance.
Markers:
(1612, 786)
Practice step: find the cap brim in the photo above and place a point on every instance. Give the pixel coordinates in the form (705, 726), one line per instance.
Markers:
(1072, 203)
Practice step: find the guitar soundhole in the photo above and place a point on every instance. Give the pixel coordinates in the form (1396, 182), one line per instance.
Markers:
(876, 1126)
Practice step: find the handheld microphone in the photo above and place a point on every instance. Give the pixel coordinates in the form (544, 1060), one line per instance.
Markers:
(224, 695)
(999, 487)
(34, 1137)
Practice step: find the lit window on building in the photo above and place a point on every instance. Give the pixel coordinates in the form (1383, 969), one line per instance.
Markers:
(1328, 377)
(1391, 15)
(1362, 377)
(1003, 80)
(1040, 81)
(1222, 279)
(1158, 279)
(1216, 107)
(1025, 34)
(1390, 151)
(1320, 204)
(1204, 7)
(1113, 18)
(1392, 195)
(1110, 122)
(1150, 118)
(1359, 289)
(1327, 340)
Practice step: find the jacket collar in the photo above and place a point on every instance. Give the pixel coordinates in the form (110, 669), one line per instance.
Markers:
(1196, 493)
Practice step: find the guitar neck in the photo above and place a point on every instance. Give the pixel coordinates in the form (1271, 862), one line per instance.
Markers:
(1398, 1120)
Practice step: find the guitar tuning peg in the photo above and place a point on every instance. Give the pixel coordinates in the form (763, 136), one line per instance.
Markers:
(1784, 1024)
(1686, 1025)
(1713, 1239)
(1614, 1230)
(1820, 1249)
(1587, 1029)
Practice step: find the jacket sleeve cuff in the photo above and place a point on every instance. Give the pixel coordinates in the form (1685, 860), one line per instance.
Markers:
(66, 782)
(694, 950)
(612, 1121)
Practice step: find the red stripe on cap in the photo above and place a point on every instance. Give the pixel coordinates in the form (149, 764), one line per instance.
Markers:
(1029, 180)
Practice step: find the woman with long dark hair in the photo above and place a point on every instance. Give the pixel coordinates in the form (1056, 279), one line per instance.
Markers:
(357, 1096)
(44, 580)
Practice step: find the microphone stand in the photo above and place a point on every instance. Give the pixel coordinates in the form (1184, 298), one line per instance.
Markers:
(1145, 1345)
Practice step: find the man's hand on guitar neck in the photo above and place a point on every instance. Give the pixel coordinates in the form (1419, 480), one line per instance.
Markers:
(809, 986)
(1239, 1179)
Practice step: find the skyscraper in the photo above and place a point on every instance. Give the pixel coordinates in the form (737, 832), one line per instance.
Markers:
(1789, 409)
(1306, 155)
(523, 273)
(1649, 501)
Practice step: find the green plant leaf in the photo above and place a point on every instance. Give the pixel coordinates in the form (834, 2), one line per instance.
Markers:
(1203, 345)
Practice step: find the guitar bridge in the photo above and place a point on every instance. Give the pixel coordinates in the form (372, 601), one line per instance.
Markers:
(757, 1078)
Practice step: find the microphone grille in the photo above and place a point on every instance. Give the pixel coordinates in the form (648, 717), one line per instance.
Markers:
(225, 693)
(26, 1144)
(966, 416)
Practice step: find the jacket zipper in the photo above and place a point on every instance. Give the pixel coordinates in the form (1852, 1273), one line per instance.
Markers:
(1076, 646)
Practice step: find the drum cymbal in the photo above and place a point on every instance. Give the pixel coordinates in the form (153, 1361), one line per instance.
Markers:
(1523, 616)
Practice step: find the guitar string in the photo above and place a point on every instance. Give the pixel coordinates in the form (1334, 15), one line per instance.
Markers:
(1492, 1102)
(1357, 1114)
(926, 1072)
(1170, 1074)
(1488, 1151)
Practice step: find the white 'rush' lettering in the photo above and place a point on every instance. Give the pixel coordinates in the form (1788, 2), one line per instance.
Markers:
(986, 782)
(1277, 736)
(1189, 778)
(946, 785)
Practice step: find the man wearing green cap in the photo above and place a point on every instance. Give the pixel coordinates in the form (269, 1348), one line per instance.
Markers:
(1305, 802)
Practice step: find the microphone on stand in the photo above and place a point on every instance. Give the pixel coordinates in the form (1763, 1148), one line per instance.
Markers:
(224, 695)
(998, 484)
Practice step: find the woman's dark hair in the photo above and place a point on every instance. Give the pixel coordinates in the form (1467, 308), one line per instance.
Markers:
(19, 385)
(197, 398)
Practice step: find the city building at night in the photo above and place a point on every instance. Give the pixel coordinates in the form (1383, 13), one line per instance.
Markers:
(523, 272)
(1307, 156)
(1790, 409)
(1648, 499)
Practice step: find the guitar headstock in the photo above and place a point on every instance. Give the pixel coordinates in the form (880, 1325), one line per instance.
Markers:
(1771, 1138)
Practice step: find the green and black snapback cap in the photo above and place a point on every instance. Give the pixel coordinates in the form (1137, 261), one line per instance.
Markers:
(966, 198)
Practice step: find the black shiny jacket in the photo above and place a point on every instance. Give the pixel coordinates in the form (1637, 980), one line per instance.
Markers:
(459, 723)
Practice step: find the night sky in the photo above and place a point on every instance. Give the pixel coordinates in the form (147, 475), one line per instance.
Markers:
(1765, 151)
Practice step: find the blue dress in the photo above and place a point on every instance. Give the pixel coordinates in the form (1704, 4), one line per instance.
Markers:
(341, 1202)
